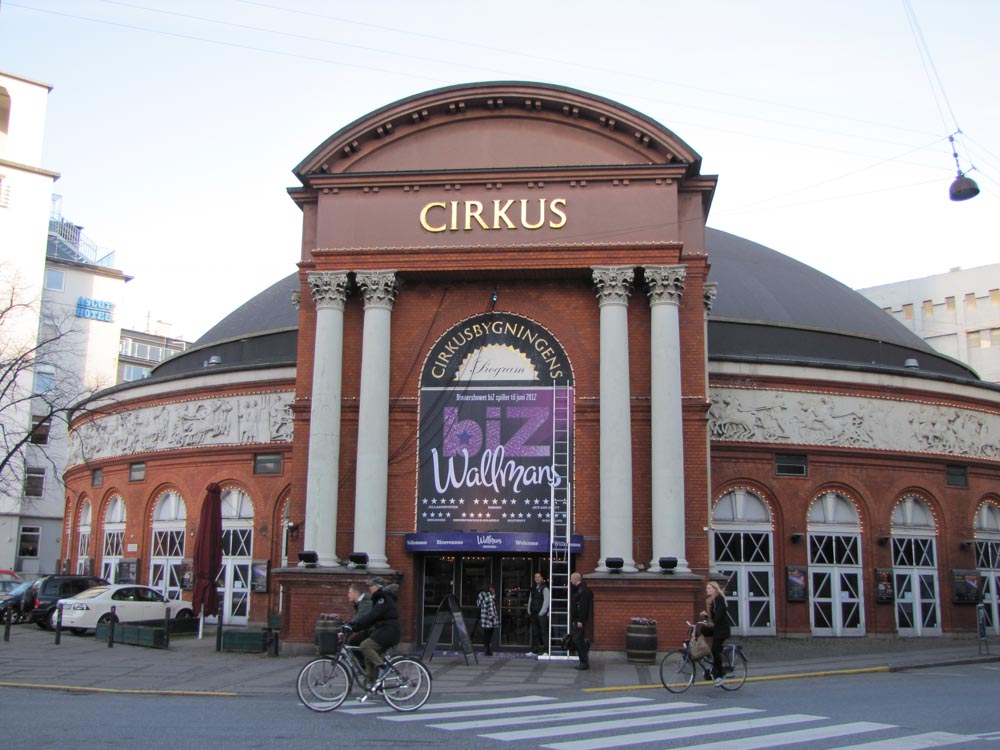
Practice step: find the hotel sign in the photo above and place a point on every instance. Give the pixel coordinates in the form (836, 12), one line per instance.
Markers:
(95, 309)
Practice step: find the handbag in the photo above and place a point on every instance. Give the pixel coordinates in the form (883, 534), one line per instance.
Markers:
(700, 648)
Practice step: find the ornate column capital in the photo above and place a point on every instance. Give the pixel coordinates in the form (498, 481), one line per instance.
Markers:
(329, 288)
(665, 284)
(378, 288)
(613, 283)
(711, 292)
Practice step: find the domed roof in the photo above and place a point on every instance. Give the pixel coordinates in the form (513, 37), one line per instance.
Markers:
(769, 308)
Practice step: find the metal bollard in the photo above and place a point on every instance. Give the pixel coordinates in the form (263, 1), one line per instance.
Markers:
(59, 611)
(166, 628)
(111, 628)
(7, 620)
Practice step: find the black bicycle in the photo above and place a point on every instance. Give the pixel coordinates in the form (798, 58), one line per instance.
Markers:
(678, 668)
(325, 682)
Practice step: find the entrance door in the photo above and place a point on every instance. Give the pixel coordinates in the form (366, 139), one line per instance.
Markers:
(991, 587)
(836, 602)
(916, 603)
(475, 574)
(516, 575)
(234, 578)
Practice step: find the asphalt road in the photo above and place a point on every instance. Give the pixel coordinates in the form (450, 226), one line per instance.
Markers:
(941, 707)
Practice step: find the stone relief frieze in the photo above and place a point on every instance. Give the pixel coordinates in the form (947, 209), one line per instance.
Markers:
(227, 420)
(851, 422)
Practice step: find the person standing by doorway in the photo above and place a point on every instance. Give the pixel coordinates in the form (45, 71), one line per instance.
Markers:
(581, 607)
(538, 615)
(489, 618)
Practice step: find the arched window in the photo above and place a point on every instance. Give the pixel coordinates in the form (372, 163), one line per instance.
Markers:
(914, 565)
(986, 528)
(166, 562)
(83, 563)
(835, 575)
(741, 543)
(113, 547)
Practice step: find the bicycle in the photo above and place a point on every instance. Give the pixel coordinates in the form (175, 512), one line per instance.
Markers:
(324, 683)
(678, 668)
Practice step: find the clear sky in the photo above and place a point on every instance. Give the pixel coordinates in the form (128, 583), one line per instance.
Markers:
(176, 123)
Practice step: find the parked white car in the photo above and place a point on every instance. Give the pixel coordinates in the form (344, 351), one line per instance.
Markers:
(131, 603)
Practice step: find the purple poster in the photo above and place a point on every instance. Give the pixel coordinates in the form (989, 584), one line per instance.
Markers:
(492, 466)
(495, 434)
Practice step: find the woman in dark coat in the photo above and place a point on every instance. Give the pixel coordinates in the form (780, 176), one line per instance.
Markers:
(717, 627)
(382, 622)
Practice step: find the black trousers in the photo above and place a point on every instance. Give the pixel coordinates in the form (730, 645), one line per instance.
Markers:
(539, 632)
(718, 668)
(580, 643)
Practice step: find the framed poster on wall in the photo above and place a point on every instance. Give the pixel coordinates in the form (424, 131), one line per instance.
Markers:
(965, 587)
(260, 575)
(798, 586)
(884, 592)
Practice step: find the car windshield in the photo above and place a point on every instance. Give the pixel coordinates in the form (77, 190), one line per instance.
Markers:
(91, 593)
(9, 587)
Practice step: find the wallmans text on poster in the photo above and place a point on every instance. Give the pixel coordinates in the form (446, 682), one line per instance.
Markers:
(487, 447)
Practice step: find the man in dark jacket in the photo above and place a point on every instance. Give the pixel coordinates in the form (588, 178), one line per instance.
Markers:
(538, 615)
(581, 603)
(382, 621)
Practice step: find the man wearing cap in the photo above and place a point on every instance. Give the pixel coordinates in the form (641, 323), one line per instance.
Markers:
(382, 621)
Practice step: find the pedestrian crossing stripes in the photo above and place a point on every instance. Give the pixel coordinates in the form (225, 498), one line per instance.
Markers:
(631, 721)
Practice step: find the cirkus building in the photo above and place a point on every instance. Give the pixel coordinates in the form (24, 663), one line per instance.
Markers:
(512, 346)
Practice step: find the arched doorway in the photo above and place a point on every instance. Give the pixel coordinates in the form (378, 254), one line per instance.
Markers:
(166, 561)
(836, 589)
(742, 550)
(84, 565)
(237, 556)
(113, 547)
(914, 568)
(986, 527)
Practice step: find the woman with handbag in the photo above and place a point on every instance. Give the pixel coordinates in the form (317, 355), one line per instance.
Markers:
(717, 626)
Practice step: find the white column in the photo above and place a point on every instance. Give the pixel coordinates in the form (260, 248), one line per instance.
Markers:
(665, 286)
(614, 284)
(329, 291)
(371, 490)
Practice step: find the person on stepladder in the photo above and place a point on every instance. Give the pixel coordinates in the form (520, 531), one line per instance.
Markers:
(581, 603)
(538, 615)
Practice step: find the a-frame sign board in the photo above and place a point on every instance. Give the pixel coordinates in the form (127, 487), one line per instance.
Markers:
(449, 611)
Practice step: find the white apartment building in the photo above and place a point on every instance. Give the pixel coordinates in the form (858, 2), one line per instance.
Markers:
(25, 195)
(71, 295)
(958, 313)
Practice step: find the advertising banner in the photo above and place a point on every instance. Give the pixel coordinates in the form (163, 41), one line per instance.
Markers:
(495, 428)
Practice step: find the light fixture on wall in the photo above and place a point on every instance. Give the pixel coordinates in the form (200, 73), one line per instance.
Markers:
(614, 564)
(308, 558)
(292, 529)
(668, 564)
(358, 559)
(884, 540)
(796, 537)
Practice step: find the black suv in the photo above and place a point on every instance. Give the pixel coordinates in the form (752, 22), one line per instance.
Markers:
(49, 590)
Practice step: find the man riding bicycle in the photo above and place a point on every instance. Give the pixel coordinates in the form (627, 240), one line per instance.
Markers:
(382, 621)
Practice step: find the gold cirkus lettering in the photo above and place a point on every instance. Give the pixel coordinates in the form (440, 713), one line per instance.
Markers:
(423, 217)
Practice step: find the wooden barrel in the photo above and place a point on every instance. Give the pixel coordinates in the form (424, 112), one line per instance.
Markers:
(640, 643)
(327, 632)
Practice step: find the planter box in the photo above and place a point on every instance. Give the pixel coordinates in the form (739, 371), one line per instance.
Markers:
(244, 641)
(130, 634)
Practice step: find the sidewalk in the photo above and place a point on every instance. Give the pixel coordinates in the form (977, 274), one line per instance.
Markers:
(31, 658)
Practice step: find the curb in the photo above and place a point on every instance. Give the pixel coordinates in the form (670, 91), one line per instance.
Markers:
(120, 691)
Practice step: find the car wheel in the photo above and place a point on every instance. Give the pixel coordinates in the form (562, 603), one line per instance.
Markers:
(184, 614)
(106, 618)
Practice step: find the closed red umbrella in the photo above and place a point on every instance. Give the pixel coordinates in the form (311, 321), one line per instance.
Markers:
(207, 559)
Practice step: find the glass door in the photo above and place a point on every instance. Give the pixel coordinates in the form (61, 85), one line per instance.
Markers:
(439, 582)
(515, 583)
(476, 573)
